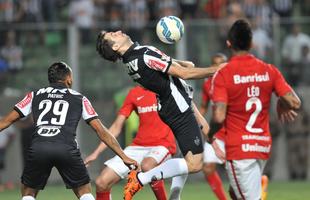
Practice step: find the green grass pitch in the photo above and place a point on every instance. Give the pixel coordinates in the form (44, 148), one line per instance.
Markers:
(192, 191)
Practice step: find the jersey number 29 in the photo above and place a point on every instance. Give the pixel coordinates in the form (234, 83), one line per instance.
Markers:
(59, 109)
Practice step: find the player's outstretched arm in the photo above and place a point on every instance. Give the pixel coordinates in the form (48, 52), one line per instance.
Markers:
(191, 72)
(106, 136)
(9, 119)
(115, 129)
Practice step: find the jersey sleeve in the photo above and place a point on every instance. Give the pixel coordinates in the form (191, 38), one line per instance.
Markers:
(127, 106)
(157, 60)
(218, 89)
(205, 91)
(24, 107)
(281, 87)
(88, 111)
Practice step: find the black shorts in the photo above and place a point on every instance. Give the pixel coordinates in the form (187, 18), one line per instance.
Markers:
(43, 156)
(2, 158)
(187, 132)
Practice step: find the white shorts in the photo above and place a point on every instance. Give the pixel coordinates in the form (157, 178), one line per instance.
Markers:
(245, 177)
(209, 155)
(138, 153)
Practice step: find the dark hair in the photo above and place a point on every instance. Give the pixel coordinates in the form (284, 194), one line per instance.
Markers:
(240, 35)
(104, 48)
(58, 72)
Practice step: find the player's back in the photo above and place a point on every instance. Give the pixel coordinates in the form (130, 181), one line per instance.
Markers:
(56, 112)
(249, 84)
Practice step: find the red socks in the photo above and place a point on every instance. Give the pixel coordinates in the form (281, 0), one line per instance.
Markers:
(103, 195)
(159, 190)
(216, 185)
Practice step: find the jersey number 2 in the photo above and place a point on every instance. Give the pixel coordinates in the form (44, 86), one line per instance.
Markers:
(60, 109)
(248, 106)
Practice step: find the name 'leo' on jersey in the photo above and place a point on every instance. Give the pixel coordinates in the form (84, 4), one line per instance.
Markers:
(56, 112)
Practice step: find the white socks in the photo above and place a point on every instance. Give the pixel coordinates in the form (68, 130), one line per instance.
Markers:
(28, 198)
(170, 168)
(177, 185)
(87, 196)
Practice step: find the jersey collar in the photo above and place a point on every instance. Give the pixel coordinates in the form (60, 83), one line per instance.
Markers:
(242, 57)
(58, 85)
(127, 53)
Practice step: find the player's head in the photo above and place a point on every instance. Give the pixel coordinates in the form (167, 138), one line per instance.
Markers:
(111, 45)
(218, 59)
(60, 72)
(240, 36)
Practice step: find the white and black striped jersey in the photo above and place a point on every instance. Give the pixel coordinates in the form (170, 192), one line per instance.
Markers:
(148, 66)
(56, 111)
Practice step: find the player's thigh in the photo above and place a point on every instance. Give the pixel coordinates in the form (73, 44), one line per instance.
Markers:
(71, 167)
(245, 177)
(38, 166)
(154, 157)
(209, 155)
(134, 152)
(188, 134)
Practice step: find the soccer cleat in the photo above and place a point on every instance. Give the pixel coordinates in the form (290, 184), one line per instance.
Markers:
(264, 187)
(133, 185)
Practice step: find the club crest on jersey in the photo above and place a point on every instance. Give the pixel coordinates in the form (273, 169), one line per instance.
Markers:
(197, 141)
(23, 103)
(48, 131)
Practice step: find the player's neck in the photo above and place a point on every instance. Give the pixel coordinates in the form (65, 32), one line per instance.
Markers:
(240, 53)
(125, 47)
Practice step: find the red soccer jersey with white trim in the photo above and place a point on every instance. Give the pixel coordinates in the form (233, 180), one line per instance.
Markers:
(206, 97)
(246, 84)
(152, 131)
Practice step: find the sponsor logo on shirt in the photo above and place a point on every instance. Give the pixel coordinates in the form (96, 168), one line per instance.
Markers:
(255, 148)
(146, 109)
(238, 79)
(23, 103)
(89, 109)
(49, 131)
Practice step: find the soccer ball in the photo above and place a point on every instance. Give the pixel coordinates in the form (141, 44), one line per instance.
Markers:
(170, 29)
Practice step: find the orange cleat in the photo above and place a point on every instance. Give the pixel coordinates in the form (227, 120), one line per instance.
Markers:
(133, 185)
(265, 181)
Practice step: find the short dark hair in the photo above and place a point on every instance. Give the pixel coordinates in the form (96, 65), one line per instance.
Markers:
(104, 48)
(58, 72)
(240, 35)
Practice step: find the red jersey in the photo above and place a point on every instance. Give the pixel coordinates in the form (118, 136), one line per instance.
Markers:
(206, 96)
(152, 131)
(246, 84)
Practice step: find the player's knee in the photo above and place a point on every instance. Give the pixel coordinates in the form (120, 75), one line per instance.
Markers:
(194, 166)
(102, 184)
(146, 167)
(209, 168)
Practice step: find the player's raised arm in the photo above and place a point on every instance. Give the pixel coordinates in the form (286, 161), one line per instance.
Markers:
(106, 136)
(115, 129)
(9, 119)
(183, 71)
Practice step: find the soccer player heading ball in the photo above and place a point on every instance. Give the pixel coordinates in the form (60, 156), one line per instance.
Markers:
(56, 111)
(164, 76)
